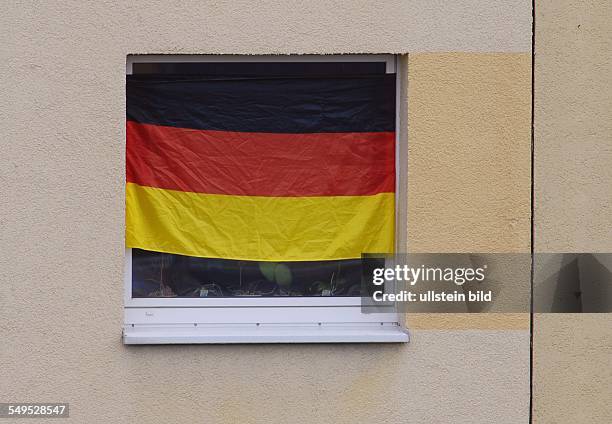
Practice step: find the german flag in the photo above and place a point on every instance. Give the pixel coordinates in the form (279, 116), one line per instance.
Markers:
(265, 169)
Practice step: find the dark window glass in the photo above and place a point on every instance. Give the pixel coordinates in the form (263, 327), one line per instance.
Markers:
(165, 275)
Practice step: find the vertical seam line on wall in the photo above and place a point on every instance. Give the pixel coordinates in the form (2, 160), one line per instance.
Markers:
(532, 218)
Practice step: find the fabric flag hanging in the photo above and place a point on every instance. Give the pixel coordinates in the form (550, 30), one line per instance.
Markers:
(266, 169)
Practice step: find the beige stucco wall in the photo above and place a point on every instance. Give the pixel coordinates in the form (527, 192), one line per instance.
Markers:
(469, 165)
(469, 152)
(62, 213)
(573, 212)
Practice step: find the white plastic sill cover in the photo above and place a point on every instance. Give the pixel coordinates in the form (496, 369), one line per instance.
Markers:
(265, 333)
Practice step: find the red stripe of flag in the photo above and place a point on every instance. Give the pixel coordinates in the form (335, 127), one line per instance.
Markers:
(260, 164)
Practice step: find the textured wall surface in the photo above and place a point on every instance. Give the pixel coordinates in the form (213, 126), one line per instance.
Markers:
(573, 211)
(441, 376)
(62, 78)
(469, 152)
(573, 126)
(469, 164)
(268, 26)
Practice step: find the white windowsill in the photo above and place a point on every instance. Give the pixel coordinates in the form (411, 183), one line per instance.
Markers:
(264, 333)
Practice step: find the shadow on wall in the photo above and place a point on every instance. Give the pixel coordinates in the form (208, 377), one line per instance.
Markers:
(573, 282)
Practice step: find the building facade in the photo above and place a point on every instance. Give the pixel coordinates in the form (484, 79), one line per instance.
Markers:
(466, 114)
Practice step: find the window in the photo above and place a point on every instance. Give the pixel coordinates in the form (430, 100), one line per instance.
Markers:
(254, 184)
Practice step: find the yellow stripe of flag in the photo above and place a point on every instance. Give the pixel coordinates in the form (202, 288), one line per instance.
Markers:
(259, 228)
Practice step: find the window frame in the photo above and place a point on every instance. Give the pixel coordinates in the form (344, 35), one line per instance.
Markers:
(214, 320)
